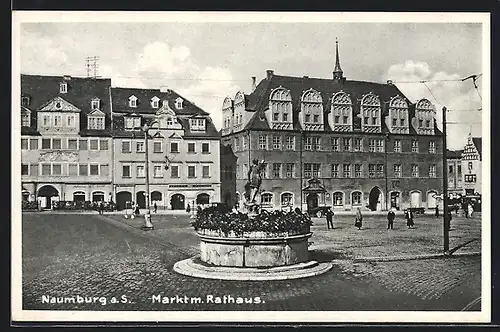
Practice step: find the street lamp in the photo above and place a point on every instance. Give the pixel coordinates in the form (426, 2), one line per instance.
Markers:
(147, 217)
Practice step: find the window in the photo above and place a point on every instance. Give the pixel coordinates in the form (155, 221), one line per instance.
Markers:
(365, 120)
(46, 120)
(285, 117)
(315, 118)
(73, 169)
(103, 144)
(70, 120)
(286, 199)
(45, 169)
(139, 147)
(34, 144)
(94, 144)
(264, 171)
(174, 171)
(394, 122)
(104, 170)
(95, 103)
(432, 171)
(158, 171)
(334, 142)
(420, 123)
(346, 171)
(316, 143)
(402, 122)
(96, 122)
(316, 170)
(289, 171)
(205, 171)
(155, 102)
(191, 171)
(45, 143)
(267, 199)
(129, 123)
(372, 146)
(432, 147)
(334, 170)
(25, 119)
(358, 144)
(56, 144)
(371, 170)
(356, 198)
(380, 145)
(307, 170)
(141, 171)
(346, 144)
(374, 121)
(191, 147)
(276, 116)
(132, 101)
(245, 142)
(262, 142)
(197, 124)
(338, 199)
(24, 169)
(308, 144)
(24, 143)
(57, 121)
(397, 145)
(157, 147)
(397, 170)
(94, 169)
(83, 170)
(290, 143)
(126, 171)
(126, 148)
(414, 146)
(276, 142)
(380, 171)
(72, 144)
(63, 87)
(414, 171)
(307, 118)
(236, 144)
(345, 119)
(337, 119)
(357, 171)
(276, 171)
(174, 147)
(25, 101)
(178, 103)
(469, 166)
(428, 123)
(470, 178)
(459, 171)
(205, 148)
(450, 169)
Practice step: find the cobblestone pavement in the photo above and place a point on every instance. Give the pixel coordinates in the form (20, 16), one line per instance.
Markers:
(83, 255)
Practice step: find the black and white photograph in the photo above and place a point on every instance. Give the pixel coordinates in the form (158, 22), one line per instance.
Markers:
(319, 167)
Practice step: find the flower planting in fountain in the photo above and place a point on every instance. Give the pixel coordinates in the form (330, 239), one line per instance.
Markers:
(276, 223)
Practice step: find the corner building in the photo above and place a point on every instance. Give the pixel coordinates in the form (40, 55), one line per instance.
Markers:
(65, 139)
(332, 142)
(183, 137)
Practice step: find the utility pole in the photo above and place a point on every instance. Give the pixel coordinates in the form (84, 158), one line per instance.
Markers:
(386, 171)
(300, 168)
(446, 221)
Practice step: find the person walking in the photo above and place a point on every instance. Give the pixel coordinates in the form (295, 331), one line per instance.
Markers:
(329, 218)
(466, 210)
(155, 207)
(137, 211)
(390, 219)
(470, 209)
(359, 219)
(101, 207)
(449, 219)
(436, 214)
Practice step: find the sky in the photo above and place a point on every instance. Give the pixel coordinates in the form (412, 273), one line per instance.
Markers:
(205, 62)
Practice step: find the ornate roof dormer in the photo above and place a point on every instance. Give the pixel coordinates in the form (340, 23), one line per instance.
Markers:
(425, 113)
(371, 113)
(340, 117)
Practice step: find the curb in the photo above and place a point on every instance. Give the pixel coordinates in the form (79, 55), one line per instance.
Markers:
(414, 257)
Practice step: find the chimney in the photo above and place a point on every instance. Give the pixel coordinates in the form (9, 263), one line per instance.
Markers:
(164, 89)
(389, 82)
(270, 73)
(67, 77)
(305, 76)
(254, 85)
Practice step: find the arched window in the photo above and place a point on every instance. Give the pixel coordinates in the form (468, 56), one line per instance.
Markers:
(312, 110)
(280, 108)
(267, 199)
(98, 196)
(371, 111)
(338, 198)
(356, 198)
(156, 196)
(202, 199)
(78, 196)
(341, 112)
(286, 199)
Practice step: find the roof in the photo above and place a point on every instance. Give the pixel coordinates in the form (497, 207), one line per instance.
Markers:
(258, 99)
(478, 143)
(454, 154)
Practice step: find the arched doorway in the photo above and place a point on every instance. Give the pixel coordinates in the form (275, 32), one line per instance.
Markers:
(122, 198)
(46, 195)
(177, 202)
(415, 199)
(78, 196)
(431, 200)
(395, 200)
(98, 196)
(202, 199)
(312, 201)
(157, 197)
(375, 199)
(140, 199)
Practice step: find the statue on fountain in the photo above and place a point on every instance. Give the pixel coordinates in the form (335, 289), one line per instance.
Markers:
(253, 185)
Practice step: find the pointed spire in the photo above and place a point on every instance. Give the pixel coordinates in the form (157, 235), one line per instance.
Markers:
(337, 71)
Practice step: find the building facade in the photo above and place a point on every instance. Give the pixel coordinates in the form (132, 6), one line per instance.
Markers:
(332, 142)
(183, 149)
(455, 177)
(66, 144)
(471, 166)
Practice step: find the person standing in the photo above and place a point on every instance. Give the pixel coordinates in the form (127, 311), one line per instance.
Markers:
(359, 219)
(470, 209)
(449, 219)
(409, 220)
(466, 210)
(329, 218)
(390, 219)
(155, 207)
(436, 214)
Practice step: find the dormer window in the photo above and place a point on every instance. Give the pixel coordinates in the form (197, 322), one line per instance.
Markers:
(197, 124)
(96, 104)
(63, 87)
(424, 117)
(132, 122)
(179, 103)
(25, 117)
(155, 102)
(96, 122)
(280, 108)
(25, 101)
(371, 112)
(132, 101)
(312, 108)
(340, 117)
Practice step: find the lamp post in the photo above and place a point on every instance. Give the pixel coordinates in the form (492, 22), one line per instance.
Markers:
(446, 226)
(386, 171)
(147, 217)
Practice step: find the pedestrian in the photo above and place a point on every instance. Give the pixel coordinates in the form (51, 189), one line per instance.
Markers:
(297, 211)
(437, 212)
(137, 211)
(449, 219)
(470, 210)
(390, 219)
(466, 210)
(155, 207)
(329, 218)
(101, 207)
(359, 219)
(409, 218)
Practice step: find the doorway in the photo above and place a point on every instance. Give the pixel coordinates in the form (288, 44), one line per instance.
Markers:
(46, 195)
(375, 199)
(122, 198)
(177, 202)
(140, 199)
(312, 201)
(395, 200)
